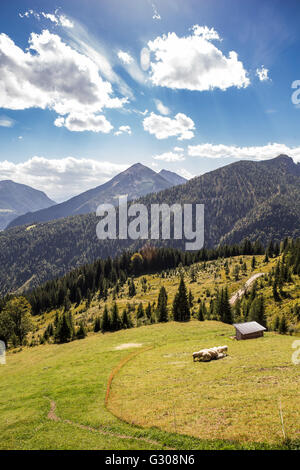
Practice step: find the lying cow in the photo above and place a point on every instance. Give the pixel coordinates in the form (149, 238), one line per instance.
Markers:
(206, 355)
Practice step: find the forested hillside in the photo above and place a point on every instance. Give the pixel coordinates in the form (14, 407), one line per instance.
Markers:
(160, 285)
(258, 200)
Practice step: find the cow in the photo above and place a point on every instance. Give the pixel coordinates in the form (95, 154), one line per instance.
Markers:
(206, 355)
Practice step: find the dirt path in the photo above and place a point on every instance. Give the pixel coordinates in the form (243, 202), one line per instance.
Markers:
(53, 416)
(239, 294)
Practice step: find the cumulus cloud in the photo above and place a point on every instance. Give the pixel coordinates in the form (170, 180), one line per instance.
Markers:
(161, 108)
(6, 121)
(79, 122)
(163, 127)
(60, 178)
(170, 157)
(51, 74)
(194, 63)
(125, 57)
(262, 74)
(263, 152)
(123, 130)
(178, 149)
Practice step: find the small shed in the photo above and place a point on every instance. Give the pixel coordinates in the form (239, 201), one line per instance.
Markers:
(249, 330)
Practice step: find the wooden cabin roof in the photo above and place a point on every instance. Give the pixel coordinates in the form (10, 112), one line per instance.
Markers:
(249, 327)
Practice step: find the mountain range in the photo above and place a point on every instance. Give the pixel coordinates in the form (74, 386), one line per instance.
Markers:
(136, 181)
(17, 199)
(246, 199)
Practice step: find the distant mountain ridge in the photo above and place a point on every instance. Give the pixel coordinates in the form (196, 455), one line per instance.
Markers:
(17, 199)
(246, 199)
(136, 181)
(172, 177)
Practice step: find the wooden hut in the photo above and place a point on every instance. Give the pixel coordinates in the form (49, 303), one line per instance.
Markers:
(248, 330)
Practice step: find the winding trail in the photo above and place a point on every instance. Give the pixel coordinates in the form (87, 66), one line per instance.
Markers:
(54, 417)
(242, 291)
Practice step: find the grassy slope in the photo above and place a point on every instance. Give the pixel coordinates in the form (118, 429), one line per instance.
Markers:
(75, 376)
(236, 398)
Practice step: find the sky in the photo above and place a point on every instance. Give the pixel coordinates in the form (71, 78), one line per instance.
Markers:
(90, 87)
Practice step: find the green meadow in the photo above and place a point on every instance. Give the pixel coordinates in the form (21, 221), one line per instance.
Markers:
(159, 399)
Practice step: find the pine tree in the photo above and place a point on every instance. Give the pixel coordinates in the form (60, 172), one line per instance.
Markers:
(126, 320)
(132, 289)
(140, 311)
(253, 263)
(283, 327)
(225, 313)
(200, 313)
(181, 309)
(276, 323)
(115, 319)
(105, 321)
(191, 298)
(162, 309)
(64, 331)
(97, 325)
(148, 311)
(81, 332)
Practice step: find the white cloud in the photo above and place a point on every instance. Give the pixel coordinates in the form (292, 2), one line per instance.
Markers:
(263, 152)
(194, 63)
(161, 108)
(163, 127)
(60, 178)
(6, 121)
(178, 149)
(145, 58)
(170, 157)
(51, 74)
(123, 130)
(57, 19)
(125, 57)
(262, 74)
(79, 122)
(131, 67)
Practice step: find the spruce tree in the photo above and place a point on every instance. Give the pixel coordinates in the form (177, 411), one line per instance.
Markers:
(200, 313)
(64, 331)
(105, 321)
(226, 314)
(97, 325)
(148, 311)
(132, 289)
(81, 332)
(283, 327)
(126, 320)
(181, 309)
(162, 309)
(276, 323)
(115, 319)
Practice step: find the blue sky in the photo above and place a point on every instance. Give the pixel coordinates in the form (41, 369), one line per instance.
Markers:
(79, 106)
